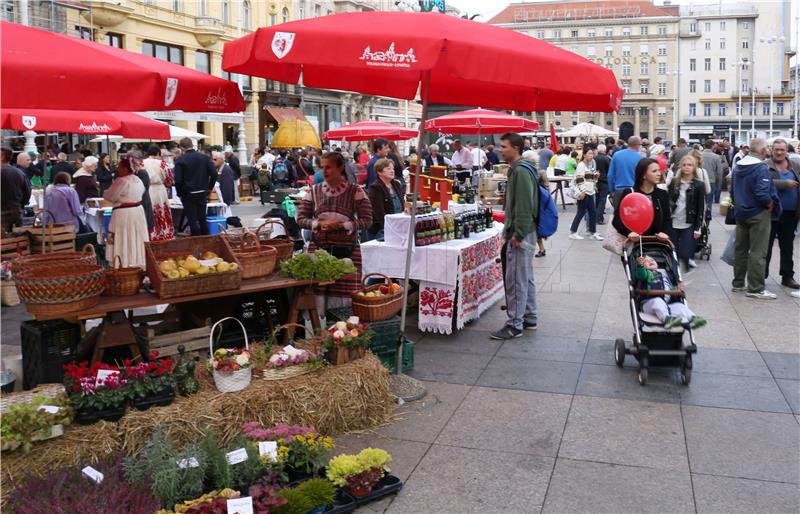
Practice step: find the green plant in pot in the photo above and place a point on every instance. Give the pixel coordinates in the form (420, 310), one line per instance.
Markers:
(310, 497)
(93, 395)
(151, 383)
(36, 420)
(359, 473)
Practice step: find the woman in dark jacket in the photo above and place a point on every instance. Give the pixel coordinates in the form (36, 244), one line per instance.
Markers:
(104, 174)
(385, 195)
(687, 205)
(648, 176)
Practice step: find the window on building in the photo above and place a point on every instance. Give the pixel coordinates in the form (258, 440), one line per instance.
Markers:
(557, 33)
(644, 49)
(662, 50)
(270, 85)
(721, 25)
(574, 114)
(302, 11)
(591, 51)
(752, 109)
(707, 64)
(202, 61)
(692, 64)
(662, 30)
(644, 86)
(609, 51)
(722, 64)
(644, 111)
(745, 44)
(626, 31)
(540, 34)
(722, 43)
(283, 87)
(662, 68)
(706, 86)
(706, 109)
(692, 109)
(662, 111)
(285, 14)
(692, 44)
(626, 51)
(163, 51)
(765, 108)
(575, 49)
(626, 70)
(643, 30)
(708, 44)
(573, 33)
(176, 5)
(626, 86)
(558, 113)
(317, 11)
(112, 39)
(745, 85)
(591, 32)
(608, 32)
(644, 69)
(692, 86)
(745, 64)
(779, 108)
(246, 14)
(693, 27)
(609, 66)
(202, 8)
(746, 25)
(708, 26)
(662, 89)
(247, 80)
(226, 10)
(84, 33)
(273, 19)
(738, 110)
(722, 85)
(721, 109)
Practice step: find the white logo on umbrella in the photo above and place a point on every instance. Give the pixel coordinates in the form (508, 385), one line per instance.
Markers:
(171, 91)
(282, 43)
(29, 122)
(389, 58)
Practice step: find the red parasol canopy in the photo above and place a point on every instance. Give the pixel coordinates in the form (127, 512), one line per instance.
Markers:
(480, 121)
(85, 122)
(553, 139)
(45, 70)
(469, 63)
(366, 130)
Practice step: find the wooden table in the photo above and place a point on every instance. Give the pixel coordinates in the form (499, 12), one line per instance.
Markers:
(559, 181)
(116, 329)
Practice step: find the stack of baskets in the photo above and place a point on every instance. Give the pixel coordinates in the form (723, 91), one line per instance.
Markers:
(257, 260)
(376, 308)
(284, 247)
(123, 281)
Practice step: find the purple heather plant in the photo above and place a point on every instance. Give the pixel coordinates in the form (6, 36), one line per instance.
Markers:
(256, 431)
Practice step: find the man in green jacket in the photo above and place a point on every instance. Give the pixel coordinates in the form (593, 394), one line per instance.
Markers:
(522, 203)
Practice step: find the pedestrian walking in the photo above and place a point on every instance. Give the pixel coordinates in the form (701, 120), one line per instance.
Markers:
(755, 202)
(601, 163)
(521, 204)
(786, 177)
(545, 154)
(647, 177)
(679, 153)
(712, 163)
(622, 171)
(584, 189)
(195, 176)
(226, 177)
(687, 205)
(15, 191)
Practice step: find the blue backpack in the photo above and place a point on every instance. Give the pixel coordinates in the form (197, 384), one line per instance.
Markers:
(547, 220)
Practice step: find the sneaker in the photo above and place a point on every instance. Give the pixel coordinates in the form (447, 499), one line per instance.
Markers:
(763, 295)
(692, 264)
(506, 333)
(697, 322)
(738, 289)
(530, 326)
(601, 222)
(575, 235)
(596, 237)
(541, 254)
(673, 321)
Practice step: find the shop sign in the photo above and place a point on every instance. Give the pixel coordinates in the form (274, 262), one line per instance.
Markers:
(624, 60)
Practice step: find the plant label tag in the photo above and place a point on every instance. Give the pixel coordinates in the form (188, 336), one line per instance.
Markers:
(268, 448)
(94, 475)
(103, 374)
(50, 409)
(236, 456)
(191, 462)
(241, 505)
(56, 430)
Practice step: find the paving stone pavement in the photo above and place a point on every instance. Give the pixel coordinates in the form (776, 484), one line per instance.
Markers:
(548, 423)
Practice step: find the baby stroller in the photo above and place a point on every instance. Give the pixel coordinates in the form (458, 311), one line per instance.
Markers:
(653, 344)
(703, 246)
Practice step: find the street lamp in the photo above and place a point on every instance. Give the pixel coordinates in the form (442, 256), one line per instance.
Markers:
(740, 64)
(676, 103)
(771, 40)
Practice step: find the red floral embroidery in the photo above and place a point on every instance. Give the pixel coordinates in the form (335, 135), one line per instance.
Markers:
(436, 302)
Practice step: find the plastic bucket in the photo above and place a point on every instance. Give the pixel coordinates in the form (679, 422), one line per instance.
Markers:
(216, 225)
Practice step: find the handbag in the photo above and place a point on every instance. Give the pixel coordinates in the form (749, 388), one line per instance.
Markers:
(729, 254)
(730, 216)
(614, 241)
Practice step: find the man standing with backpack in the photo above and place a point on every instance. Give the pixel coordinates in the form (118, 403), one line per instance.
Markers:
(282, 172)
(521, 208)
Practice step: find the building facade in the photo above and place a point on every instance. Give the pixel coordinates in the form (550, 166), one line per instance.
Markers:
(635, 39)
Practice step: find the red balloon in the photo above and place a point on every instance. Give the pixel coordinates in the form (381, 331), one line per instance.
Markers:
(636, 212)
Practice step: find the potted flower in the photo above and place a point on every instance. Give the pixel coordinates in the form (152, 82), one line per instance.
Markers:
(347, 340)
(96, 392)
(288, 362)
(359, 473)
(301, 450)
(231, 369)
(41, 418)
(151, 383)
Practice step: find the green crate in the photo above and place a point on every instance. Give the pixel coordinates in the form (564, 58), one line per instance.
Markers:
(389, 357)
(387, 332)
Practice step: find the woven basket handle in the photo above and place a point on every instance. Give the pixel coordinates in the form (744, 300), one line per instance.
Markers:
(385, 278)
(211, 334)
(117, 260)
(273, 338)
(250, 239)
(273, 222)
(88, 249)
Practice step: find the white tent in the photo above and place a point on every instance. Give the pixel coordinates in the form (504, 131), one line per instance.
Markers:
(175, 134)
(587, 130)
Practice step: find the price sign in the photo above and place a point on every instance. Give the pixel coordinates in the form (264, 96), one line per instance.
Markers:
(268, 448)
(93, 475)
(103, 374)
(240, 505)
(191, 462)
(236, 456)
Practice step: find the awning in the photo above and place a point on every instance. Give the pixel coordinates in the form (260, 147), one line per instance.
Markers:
(282, 114)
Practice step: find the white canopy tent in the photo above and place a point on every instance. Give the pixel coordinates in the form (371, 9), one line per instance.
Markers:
(587, 130)
(175, 134)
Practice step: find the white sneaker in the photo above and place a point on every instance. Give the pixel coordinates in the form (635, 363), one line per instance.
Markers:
(575, 235)
(596, 237)
(692, 264)
(763, 295)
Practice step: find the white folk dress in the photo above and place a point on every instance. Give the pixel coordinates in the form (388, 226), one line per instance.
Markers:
(159, 174)
(127, 231)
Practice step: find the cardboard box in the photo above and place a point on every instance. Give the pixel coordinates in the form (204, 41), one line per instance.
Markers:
(723, 209)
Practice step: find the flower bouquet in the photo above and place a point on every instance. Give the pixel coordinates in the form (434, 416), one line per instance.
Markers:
(347, 340)
(288, 362)
(359, 473)
(151, 383)
(230, 366)
(97, 392)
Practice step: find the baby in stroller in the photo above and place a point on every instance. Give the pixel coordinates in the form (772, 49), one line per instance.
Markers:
(671, 314)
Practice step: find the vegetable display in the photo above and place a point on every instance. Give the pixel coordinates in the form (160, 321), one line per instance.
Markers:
(319, 265)
(25, 423)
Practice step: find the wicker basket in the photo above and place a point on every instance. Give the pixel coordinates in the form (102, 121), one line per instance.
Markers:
(284, 247)
(61, 290)
(257, 260)
(235, 380)
(377, 308)
(123, 281)
(8, 293)
(312, 345)
(156, 251)
(45, 261)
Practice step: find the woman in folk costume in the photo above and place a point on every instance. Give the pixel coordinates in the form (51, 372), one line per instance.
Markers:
(335, 211)
(160, 176)
(127, 231)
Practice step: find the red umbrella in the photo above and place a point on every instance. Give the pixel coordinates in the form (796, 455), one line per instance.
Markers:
(553, 139)
(461, 62)
(45, 70)
(85, 122)
(480, 121)
(365, 130)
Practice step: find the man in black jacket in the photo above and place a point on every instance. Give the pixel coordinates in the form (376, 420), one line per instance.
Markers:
(195, 175)
(602, 162)
(16, 192)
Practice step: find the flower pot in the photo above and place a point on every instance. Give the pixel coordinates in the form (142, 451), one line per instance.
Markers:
(162, 399)
(359, 491)
(338, 356)
(357, 353)
(388, 484)
(296, 476)
(318, 510)
(89, 415)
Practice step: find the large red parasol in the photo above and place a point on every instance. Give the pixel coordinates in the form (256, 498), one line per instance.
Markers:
(480, 121)
(45, 70)
(366, 130)
(469, 63)
(85, 122)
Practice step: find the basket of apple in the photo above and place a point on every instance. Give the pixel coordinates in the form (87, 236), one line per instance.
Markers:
(377, 302)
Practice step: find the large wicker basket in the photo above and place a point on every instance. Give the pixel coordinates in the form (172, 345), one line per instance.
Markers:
(44, 261)
(257, 260)
(235, 380)
(157, 251)
(312, 345)
(376, 308)
(284, 247)
(123, 281)
(60, 290)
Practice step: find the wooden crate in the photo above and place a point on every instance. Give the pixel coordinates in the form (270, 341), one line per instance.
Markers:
(194, 340)
(56, 238)
(12, 245)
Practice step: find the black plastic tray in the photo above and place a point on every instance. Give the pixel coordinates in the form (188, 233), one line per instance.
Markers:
(344, 503)
(387, 485)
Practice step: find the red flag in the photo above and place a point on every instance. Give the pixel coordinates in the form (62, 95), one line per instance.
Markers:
(553, 140)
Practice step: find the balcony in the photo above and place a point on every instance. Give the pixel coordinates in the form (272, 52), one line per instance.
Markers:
(208, 30)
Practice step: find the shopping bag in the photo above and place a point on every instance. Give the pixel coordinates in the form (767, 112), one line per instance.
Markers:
(729, 254)
(614, 241)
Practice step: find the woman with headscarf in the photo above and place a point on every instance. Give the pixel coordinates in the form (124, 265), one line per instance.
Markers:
(85, 181)
(159, 175)
(127, 231)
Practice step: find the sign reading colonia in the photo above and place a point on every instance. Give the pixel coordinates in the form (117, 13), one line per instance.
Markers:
(623, 60)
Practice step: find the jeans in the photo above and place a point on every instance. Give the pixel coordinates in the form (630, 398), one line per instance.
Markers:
(783, 230)
(601, 199)
(194, 208)
(752, 239)
(587, 205)
(710, 200)
(519, 284)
